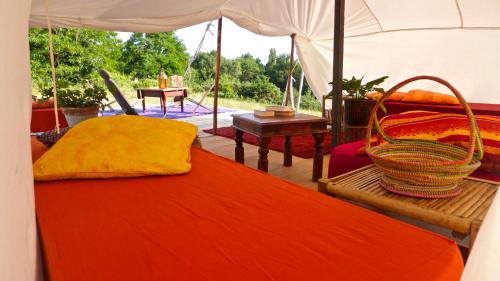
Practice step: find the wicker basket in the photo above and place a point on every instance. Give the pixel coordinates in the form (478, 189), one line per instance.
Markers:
(424, 168)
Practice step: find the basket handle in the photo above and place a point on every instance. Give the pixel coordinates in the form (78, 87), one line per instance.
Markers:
(474, 137)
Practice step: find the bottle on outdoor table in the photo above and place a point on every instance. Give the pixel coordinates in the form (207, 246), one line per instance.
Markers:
(162, 79)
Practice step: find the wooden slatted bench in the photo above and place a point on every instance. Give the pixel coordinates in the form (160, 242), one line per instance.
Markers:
(462, 214)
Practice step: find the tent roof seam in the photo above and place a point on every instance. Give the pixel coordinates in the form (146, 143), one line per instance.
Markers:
(459, 10)
(424, 28)
(374, 16)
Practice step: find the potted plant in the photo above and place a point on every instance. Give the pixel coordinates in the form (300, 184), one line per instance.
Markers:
(78, 102)
(357, 106)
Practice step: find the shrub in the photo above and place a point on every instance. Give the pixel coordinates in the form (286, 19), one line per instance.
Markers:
(309, 101)
(260, 89)
(76, 95)
(227, 87)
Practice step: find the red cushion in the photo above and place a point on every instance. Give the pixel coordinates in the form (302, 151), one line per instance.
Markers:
(344, 158)
(395, 107)
(44, 119)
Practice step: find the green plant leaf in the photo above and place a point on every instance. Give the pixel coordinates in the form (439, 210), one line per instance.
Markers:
(382, 107)
(375, 82)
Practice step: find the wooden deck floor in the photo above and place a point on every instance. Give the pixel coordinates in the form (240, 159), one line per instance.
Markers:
(300, 172)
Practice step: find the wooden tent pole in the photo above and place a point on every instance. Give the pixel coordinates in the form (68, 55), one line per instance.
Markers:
(217, 74)
(289, 89)
(338, 63)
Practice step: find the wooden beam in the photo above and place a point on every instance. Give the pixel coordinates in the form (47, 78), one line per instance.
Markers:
(338, 63)
(217, 74)
(289, 89)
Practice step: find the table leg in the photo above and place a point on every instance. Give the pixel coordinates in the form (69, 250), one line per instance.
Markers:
(239, 151)
(318, 156)
(143, 104)
(139, 96)
(263, 151)
(474, 229)
(182, 104)
(163, 105)
(287, 160)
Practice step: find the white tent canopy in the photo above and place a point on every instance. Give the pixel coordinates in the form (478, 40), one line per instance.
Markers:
(454, 39)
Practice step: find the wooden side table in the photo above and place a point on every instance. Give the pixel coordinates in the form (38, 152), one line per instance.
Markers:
(266, 128)
(462, 214)
(163, 94)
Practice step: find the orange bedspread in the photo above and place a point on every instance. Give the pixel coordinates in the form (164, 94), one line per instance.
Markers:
(224, 221)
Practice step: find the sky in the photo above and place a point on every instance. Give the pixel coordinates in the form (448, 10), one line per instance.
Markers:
(236, 41)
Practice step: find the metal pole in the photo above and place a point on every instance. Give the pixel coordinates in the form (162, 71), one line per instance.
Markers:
(338, 61)
(217, 75)
(198, 49)
(289, 90)
(301, 85)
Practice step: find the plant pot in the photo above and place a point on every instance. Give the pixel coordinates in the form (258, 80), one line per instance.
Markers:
(75, 115)
(357, 111)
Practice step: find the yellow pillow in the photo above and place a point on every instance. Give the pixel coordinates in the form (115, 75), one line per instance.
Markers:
(119, 146)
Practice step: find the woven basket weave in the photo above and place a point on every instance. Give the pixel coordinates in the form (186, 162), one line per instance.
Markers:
(424, 168)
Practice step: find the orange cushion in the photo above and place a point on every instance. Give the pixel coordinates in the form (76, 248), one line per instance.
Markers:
(37, 149)
(423, 96)
(37, 105)
(396, 96)
(374, 95)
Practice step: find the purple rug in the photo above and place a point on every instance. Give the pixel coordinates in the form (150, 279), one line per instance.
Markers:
(173, 112)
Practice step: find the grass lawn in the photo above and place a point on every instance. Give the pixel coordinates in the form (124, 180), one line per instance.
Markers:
(242, 104)
(131, 95)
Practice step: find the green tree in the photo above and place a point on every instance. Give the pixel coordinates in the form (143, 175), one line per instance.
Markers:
(145, 53)
(78, 54)
(204, 64)
(246, 77)
(251, 68)
(230, 67)
(277, 70)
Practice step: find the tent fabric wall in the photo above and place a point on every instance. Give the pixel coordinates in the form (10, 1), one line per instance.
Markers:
(17, 215)
(451, 54)
(399, 38)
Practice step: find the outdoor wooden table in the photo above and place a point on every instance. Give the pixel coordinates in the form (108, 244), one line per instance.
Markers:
(266, 128)
(462, 214)
(163, 94)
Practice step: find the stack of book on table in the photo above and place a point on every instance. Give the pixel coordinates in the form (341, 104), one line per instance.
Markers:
(274, 111)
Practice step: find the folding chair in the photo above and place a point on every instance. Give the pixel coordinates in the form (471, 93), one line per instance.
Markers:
(117, 94)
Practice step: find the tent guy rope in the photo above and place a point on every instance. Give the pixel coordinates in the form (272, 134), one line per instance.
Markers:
(52, 66)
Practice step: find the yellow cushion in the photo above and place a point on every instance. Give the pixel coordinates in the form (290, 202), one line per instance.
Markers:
(119, 146)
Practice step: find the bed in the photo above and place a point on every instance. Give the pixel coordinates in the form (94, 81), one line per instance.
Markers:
(224, 221)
